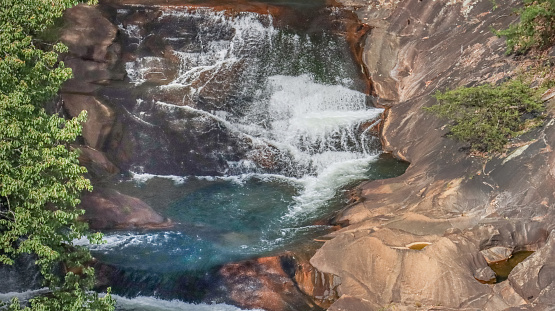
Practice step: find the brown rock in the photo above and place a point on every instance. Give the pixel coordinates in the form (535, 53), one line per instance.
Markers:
(265, 283)
(485, 275)
(87, 76)
(87, 33)
(497, 204)
(96, 163)
(109, 209)
(100, 117)
(497, 253)
(534, 278)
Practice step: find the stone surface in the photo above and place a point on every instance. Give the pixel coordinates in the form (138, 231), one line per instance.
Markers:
(485, 275)
(462, 203)
(534, 278)
(109, 209)
(88, 34)
(265, 283)
(100, 118)
(98, 166)
(92, 52)
(497, 253)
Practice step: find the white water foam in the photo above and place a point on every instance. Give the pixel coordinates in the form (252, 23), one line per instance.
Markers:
(144, 177)
(23, 296)
(318, 190)
(138, 70)
(127, 239)
(199, 67)
(317, 125)
(315, 117)
(142, 303)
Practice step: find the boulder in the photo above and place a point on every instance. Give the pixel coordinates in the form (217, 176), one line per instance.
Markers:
(496, 254)
(88, 34)
(100, 118)
(92, 52)
(109, 209)
(88, 76)
(485, 275)
(98, 166)
(265, 283)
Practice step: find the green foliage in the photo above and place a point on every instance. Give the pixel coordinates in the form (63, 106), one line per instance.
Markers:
(535, 29)
(40, 176)
(487, 116)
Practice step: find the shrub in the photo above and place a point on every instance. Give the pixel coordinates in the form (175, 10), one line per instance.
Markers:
(487, 116)
(536, 28)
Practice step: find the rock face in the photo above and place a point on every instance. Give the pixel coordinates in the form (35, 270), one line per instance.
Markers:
(93, 56)
(471, 209)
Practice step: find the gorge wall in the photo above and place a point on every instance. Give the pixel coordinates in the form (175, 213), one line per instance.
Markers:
(469, 209)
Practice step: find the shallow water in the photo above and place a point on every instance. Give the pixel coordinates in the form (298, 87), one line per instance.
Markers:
(503, 268)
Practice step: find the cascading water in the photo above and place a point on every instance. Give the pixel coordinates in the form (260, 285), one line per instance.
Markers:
(241, 132)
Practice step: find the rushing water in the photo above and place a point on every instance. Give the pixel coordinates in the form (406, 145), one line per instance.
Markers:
(244, 133)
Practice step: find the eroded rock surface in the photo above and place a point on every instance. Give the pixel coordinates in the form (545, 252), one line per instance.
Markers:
(463, 205)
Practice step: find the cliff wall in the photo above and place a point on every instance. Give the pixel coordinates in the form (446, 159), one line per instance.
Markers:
(468, 209)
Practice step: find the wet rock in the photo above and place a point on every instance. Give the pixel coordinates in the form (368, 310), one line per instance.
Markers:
(265, 283)
(109, 209)
(98, 166)
(485, 275)
(100, 117)
(534, 278)
(155, 70)
(173, 140)
(497, 253)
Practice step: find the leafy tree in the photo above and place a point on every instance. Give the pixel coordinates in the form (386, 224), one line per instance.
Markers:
(535, 29)
(487, 116)
(40, 177)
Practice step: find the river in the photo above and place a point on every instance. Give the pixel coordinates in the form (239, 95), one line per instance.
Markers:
(246, 129)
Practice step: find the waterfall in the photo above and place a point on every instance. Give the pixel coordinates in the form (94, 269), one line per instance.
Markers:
(242, 132)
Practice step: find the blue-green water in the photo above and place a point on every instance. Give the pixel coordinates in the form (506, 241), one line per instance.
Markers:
(224, 219)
